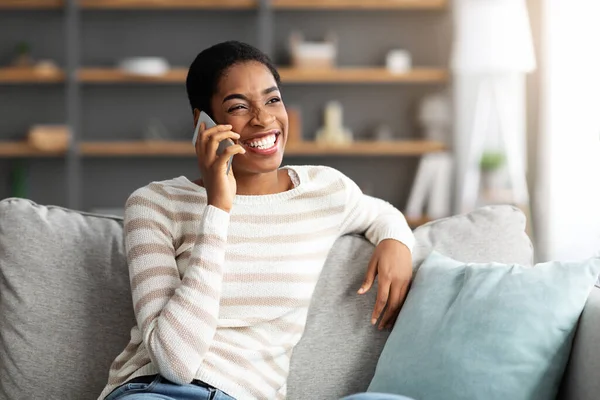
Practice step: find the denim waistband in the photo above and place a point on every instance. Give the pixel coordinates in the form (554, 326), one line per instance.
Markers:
(150, 378)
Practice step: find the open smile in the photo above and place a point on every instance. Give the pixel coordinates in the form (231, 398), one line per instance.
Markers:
(264, 143)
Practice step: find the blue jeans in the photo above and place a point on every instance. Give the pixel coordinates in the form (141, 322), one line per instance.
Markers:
(375, 396)
(162, 389)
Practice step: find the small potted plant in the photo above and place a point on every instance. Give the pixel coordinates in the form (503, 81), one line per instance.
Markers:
(492, 174)
(23, 57)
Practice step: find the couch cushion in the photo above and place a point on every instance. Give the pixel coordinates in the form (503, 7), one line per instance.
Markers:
(65, 304)
(581, 378)
(471, 331)
(339, 350)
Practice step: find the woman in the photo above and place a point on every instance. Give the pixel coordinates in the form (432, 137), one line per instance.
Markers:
(223, 268)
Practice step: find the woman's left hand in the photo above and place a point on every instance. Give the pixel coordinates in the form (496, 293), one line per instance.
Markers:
(392, 263)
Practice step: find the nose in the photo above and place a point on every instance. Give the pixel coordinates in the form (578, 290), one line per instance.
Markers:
(262, 117)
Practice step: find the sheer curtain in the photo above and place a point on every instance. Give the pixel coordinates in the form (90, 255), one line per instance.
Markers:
(567, 180)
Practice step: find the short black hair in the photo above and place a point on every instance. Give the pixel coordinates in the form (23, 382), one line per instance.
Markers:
(209, 66)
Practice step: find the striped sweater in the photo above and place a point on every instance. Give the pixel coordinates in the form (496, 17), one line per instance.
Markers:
(223, 297)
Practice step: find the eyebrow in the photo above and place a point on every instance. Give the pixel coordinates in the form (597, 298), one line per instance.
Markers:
(242, 97)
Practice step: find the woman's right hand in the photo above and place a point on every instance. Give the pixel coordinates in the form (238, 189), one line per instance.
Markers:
(220, 186)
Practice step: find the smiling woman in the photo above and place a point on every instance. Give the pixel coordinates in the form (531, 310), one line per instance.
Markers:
(223, 267)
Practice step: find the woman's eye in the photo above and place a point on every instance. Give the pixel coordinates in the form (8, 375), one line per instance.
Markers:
(274, 100)
(235, 108)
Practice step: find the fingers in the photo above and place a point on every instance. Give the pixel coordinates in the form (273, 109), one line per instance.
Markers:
(213, 143)
(395, 301)
(383, 293)
(369, 277)
(223, 159)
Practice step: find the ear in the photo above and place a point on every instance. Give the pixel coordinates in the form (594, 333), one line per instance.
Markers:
(196, 116)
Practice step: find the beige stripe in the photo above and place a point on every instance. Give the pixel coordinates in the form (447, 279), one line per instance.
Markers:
(145, 223)
(248, 366)
(245, 258)
(184, 333)
(198, 312)
(203, 238)
(204, 264)
(248, 277)
(149, 249)
(315, 171)
(238, 380)
(138, 200)
(138, 360)
(284, 326)
(157, 294)
(153, 272)
(185, 256)
(267, 357)
(264, 301)
(179, 368)
(286, 218)
(184, 198)
(329, 190)
(201, 287)
(116, 378)
(292, 238)
(250, 332)
(173, 216)
(188, 188)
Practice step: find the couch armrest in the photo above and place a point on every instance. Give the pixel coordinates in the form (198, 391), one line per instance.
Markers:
(581, 377)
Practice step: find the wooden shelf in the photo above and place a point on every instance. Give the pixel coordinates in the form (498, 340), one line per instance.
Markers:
(360, 4)
(169, 4)
(30, 75)
(113, 75)
(159, 148)
(362, 75)
(288, 75)
(30, 4)
(22, 149)
(395, 148)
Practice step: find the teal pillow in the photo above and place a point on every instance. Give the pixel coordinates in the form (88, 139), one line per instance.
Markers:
(485, 331)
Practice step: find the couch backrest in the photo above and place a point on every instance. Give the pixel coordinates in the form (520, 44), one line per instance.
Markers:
(65, 305)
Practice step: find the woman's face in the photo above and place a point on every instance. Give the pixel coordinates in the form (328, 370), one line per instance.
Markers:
(248, 99)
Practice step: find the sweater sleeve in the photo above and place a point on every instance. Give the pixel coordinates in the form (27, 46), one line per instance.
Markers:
(176, 316)
(376, 219)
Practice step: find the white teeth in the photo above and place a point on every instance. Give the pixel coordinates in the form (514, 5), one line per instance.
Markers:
(264, 143)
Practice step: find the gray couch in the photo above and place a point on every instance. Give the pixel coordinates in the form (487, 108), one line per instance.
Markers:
(65, 305)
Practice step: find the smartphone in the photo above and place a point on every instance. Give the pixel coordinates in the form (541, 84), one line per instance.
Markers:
(209, 124)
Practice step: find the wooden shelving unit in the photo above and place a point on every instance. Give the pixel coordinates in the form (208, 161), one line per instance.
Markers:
(113, 75)
(19, 149)
(288, 75)
(184, 149)
(12, 75)
(362, 75)
(30, 4)
(360, 4)
(168, 4)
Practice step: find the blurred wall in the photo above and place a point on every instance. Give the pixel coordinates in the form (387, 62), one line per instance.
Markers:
(122, 112)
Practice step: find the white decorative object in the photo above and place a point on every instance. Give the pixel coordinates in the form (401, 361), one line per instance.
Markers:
(431, 189)
(492, 52)
(306, 54)
(145, 66)
(398, 61)
(333, 130)
(435, 117)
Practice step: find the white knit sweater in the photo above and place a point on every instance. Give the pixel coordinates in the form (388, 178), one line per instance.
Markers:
(223, 298)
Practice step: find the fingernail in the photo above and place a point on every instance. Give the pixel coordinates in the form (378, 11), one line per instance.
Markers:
(373, 321)
(361, 290)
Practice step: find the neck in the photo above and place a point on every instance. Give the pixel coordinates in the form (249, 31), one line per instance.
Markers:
(260, 184)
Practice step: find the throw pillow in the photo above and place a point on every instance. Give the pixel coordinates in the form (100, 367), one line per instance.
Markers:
(485, 330)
